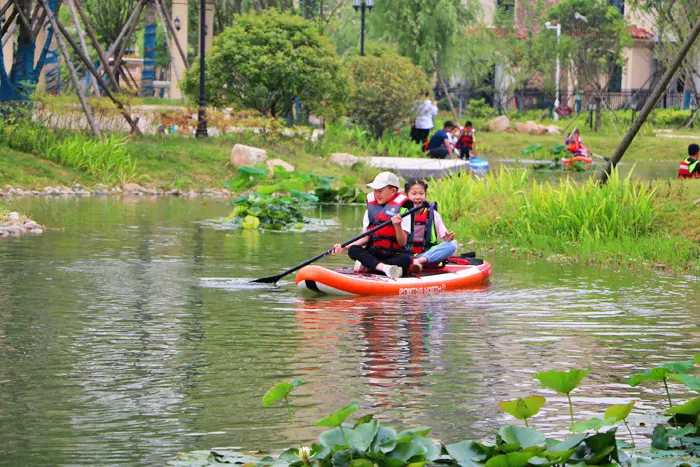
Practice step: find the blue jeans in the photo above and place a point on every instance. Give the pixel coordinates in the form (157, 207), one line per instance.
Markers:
(439, 252)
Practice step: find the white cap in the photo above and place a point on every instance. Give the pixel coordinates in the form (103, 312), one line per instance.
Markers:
(384, 179)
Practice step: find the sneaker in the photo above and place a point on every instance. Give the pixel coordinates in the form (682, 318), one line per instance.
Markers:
(359, 267)
(393, 271)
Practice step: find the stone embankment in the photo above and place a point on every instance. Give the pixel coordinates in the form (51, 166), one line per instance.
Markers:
(12, 224)
(128, 189)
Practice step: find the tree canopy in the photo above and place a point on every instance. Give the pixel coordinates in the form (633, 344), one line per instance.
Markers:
(266, 61)
(384, 89)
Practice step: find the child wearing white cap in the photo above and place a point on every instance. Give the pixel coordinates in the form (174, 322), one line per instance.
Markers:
(385, 249)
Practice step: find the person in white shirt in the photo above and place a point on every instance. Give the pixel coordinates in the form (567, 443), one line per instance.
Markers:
(425, 112)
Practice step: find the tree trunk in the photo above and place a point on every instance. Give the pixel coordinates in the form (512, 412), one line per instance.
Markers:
(88, 63)
(149, 52)
(446, 91)
(598, 119)
(660, 88)
(81, 36)
(74, 76)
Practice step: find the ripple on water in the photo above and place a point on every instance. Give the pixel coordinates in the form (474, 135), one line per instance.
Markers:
(147, 341)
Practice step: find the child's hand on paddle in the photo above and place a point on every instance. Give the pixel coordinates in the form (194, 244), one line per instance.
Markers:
(396, 219)
(449, 236)
(337, 248)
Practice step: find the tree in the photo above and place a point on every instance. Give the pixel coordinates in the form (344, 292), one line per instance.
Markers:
(597, 43)
(673, 21)
(384, 90)
(266, 61)
(429, 32)
(108, 17)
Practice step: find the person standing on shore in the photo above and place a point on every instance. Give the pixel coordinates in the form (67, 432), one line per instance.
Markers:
(425, 112)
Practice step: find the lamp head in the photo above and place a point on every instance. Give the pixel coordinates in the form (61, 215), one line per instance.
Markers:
(356, 4)
(177, 23)
(370, 4)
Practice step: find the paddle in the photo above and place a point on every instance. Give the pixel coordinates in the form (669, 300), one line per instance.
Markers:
(273, 279)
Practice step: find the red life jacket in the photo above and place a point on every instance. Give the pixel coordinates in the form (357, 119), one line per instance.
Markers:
(687, 169)
(424, 220)
(384, 238)
(467, 139)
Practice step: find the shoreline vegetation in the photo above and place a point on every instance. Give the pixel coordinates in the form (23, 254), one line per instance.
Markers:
(625, 223)
(645, 225)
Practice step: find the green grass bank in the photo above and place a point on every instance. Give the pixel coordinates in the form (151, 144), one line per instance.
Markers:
(625, 223)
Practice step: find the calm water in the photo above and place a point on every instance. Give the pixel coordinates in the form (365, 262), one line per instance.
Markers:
(132, 334)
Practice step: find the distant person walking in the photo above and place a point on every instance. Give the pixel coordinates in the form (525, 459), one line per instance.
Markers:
(425, 112)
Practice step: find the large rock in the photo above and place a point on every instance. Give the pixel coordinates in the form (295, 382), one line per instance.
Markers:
(133, 188)
(279, 162)
(520, 127)
(532, 127)
(242, 155)
(344, 159)
(553, 130)
(501, 123)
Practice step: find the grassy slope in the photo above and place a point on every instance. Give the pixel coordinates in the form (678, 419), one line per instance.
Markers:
(171, 161)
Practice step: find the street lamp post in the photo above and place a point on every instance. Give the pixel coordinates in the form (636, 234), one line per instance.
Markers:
(362, 5)
(202, 114)
(556, 99)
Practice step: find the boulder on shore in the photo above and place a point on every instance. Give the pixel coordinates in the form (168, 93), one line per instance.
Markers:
(133, 188)
(242, 156)
(279, 162)
(496, 125)
(344, 159)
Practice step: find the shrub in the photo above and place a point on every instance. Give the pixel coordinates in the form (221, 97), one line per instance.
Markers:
(444, 104)
(384, 90)
(478, 108)
(266, 61)
(672, 116)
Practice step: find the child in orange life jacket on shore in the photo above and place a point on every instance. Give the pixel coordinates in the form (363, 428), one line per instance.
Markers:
(467, 141)
(427, 229)
(385, 250)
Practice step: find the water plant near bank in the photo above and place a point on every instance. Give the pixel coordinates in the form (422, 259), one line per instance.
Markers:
(625, 221)
(366, 442)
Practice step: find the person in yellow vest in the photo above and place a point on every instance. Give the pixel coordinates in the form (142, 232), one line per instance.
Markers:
(427, 228)
(385, 249)
(690, 166)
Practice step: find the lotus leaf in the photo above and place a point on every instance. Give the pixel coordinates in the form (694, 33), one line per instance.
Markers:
(334, 438)
(512, 459)
(408, 450)
(562, 381)
(367, 431)
(532, 148)
(365, 419)
(565, 445)
(594, 424)
(523, 436)
(280, 391)
(661, 372)
(467, 453)
(336, 419)
(251, 222)
(361, 463)
(618, 412)
(385, 441)
(266, 189)
(692, 407)
(523, 408)
(692, 381)
(406, 435)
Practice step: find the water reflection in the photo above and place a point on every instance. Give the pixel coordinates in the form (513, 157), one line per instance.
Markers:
(135, 333)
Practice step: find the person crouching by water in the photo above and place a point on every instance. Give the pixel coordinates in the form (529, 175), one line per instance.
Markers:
(427, 229)
(690, 166)
(439, 146)
(385, 249)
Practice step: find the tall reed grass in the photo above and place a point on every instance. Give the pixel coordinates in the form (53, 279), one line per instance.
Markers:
(339, 138)
(104, 158)
(618, 222)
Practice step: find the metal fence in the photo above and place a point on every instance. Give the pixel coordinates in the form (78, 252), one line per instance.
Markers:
(633, 99)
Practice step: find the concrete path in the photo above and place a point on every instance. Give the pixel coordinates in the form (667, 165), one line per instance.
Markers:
(414, 167)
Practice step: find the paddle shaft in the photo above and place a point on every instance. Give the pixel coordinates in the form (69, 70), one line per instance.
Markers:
(273, 279)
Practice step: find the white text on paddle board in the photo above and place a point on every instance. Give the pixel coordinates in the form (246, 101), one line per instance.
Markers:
(432, 290)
